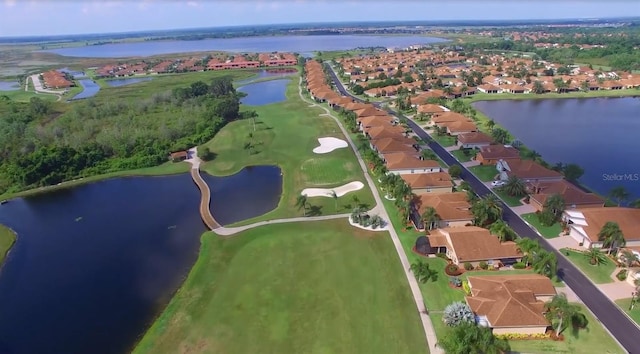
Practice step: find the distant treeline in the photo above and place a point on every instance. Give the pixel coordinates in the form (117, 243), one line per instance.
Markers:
(42, 146)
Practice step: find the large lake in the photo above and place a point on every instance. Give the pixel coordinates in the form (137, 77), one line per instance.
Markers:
(599, 134)
(95, 264)
(298, 44)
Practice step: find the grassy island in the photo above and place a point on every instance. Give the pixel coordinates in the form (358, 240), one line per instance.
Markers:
(7, 239)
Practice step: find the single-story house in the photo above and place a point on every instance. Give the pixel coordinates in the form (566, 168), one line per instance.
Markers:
(488, 88)
(430, 108)
(402, 163)
(585, 224)
(370, 111)
(448, 117)
(573, 196)
(435, 182)
(491, 154)
(381, 132)
(375, 121)
(510, 304)
(460, 127)
(391, 145)
(453, 209)
(178, 156)
(527, 170)
(474, 140)
(473, 244)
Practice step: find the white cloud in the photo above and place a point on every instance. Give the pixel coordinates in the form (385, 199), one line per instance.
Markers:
(9, 3)
(192, 3)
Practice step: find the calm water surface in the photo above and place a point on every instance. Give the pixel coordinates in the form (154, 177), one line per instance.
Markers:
(9, 86)
(599, 134)
(90, 89)
(298, 44)
(95, 264)
(125, 82)
(267, 73)
(265, 92)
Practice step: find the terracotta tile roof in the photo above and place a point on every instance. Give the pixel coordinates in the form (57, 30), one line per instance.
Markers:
(474, 138)
(529, 169)
(510, 300)
(371, 121)
(381, 132)
(473, 244)
(571, 194)
(389, 145)
(450, 206)
(627, 218)
(407, 160)
(426, 180)
(449, 117)
(370, 111)
(459, 126)
(430, 108)
(499, 152)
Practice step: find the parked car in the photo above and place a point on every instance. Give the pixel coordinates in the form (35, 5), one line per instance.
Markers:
(498, 183)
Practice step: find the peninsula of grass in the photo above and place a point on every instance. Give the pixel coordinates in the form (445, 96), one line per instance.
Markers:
(485, 173)
(309, 287)
(285, 135)
(7, 239)
(599, 274)
(546, 231)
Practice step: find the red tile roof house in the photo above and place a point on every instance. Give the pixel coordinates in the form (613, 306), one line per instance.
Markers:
(491, 154)
(423, 183)
(178, 156)
(453, 209)
(404, 163)
(585, 224)
(573, 196)
(381, 132)
(474, 140)
(460, 127)
(527, 170)
(393, 144)
(375, 121)
(510, 304)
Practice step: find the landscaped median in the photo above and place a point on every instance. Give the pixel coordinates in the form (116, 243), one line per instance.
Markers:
(546, 231)
(320, 286)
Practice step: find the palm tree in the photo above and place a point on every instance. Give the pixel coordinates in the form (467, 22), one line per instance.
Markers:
(423, 272)
(628, 258)
(486, 210)
(555, 205)
(465, 186)
(447, 90)
(538, 87)
(611, 236)
(503, 231)
(528, 247)
(545, 263)
(562, 312)
(430, 217)
(515, 187)
(472, 197)
(619, 194)
(301, 203)
(596, 256)
(335, 199)
(635, 203)
(428, 154)
(356, 200)
(471, 338)
(490, 124)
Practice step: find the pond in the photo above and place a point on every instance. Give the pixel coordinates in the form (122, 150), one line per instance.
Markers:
(266, 92)
(129, 81)
(9, 85)
(297, 44)
(267, 73)
(251, 192)
(95, 264)
(90, 89)
(599, 134)
(75, 74)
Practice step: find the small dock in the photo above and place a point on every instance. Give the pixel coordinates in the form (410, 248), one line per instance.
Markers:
(205, 200)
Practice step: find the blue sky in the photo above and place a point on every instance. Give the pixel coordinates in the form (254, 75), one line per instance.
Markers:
(55, 17)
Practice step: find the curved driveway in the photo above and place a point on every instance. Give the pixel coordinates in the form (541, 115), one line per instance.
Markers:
(610, 315)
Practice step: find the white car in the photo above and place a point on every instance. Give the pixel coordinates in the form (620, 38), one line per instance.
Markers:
(498, 183)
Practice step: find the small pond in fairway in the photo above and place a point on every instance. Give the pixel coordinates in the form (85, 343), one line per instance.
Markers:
(95, 264)
(129, 81)
(9, 86)
(249, 193)
(266, 92)
(90, 89)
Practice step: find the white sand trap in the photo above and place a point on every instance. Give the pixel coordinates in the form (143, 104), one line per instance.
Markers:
(340, 191)
(329, 144)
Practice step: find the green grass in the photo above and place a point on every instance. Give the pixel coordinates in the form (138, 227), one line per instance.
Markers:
(510, 200)
(7, 239)
(634, 314)
(546, 231)
(485, 173)
(593, 339)
(320, 287)
(461, 156)
(444, 140)
(599, 274)
(285, 135)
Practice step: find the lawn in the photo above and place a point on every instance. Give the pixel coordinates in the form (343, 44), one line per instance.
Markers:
(624, 305)
(285, 135)
(444, 140)
(485, 173)
(461, 156)
(318, 287)
(510, 200)
(546, 231)
(7, 239)
(599, 274)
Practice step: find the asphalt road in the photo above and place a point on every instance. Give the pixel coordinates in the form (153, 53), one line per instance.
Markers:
(612, 317)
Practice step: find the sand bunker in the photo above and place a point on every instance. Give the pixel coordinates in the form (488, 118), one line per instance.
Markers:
(340, 191)
(329, 144)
